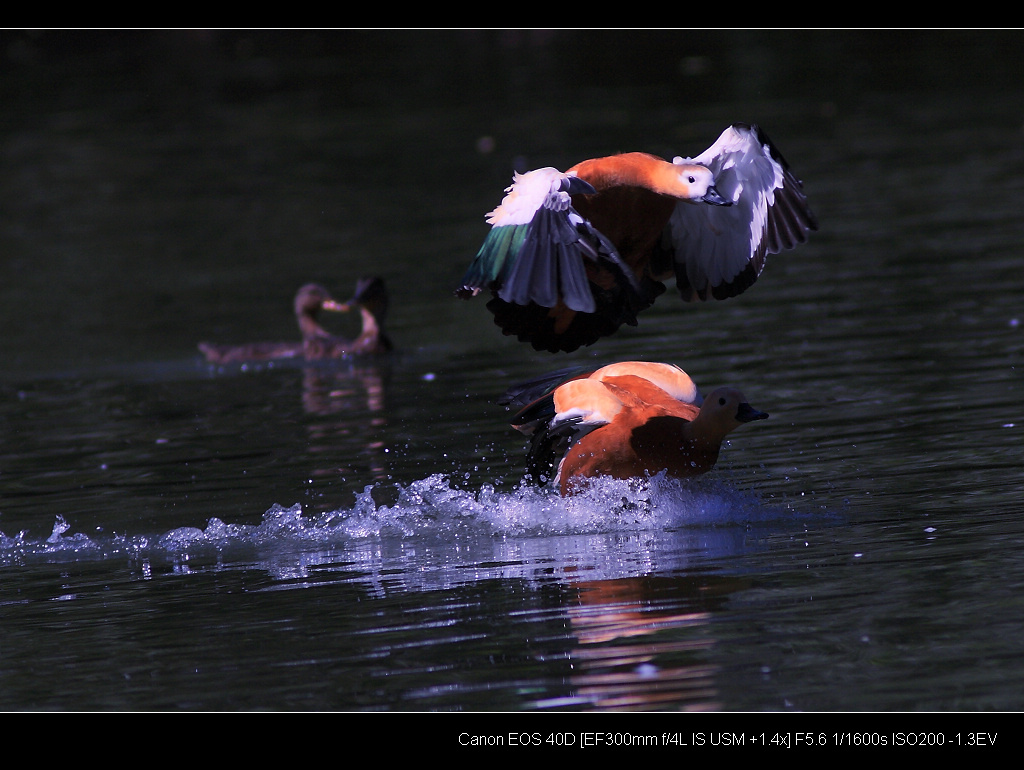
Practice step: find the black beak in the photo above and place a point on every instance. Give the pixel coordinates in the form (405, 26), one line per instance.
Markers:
(715, 198)
(576, 186)
(747, 413)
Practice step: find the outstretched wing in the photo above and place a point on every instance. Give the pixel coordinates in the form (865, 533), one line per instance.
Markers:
(557, 281)
(721, 250)
(537, 245)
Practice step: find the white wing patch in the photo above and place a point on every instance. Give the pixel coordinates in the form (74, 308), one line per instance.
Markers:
(527, 194)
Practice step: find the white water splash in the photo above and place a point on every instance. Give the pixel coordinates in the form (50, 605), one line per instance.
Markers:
(434, 508)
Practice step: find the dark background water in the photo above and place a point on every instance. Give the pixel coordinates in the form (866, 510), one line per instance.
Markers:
(859, 551)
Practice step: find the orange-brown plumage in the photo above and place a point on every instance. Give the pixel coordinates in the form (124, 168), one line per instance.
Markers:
(624, 425)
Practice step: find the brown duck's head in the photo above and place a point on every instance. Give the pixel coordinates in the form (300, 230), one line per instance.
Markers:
(312, 298)
(727, 409)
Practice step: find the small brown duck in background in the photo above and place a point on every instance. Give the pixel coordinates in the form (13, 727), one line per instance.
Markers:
(370, 297)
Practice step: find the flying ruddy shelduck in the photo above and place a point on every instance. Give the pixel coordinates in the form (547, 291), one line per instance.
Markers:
(571, 256)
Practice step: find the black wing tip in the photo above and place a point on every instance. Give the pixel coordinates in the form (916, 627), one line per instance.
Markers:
(537, 324)
(790, 221)
(534, 324)
(742, 281)
(534, 415)
(523, 394)
(547, 446)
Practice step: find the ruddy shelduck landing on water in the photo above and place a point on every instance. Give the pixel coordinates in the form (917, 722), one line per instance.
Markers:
(571, 256)
(627, 420)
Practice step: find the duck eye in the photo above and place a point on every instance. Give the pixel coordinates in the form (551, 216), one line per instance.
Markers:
(691, 179)
(721, 402)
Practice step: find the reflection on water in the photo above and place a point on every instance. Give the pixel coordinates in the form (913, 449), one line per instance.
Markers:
(334, 397)
(637, 661)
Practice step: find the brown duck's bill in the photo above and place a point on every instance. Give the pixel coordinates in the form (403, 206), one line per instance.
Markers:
(715, 198)
(747, 413)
